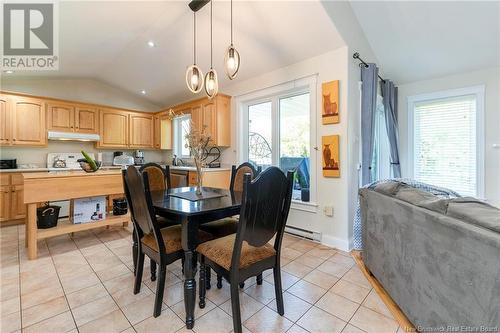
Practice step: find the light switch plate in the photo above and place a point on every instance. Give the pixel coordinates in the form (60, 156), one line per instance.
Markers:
(328, 210)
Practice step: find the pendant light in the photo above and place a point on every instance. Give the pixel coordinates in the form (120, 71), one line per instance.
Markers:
(211, 82)
(232, 57)
(194, 76)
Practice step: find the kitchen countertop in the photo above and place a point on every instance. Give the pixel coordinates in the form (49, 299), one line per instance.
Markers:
(114, 167)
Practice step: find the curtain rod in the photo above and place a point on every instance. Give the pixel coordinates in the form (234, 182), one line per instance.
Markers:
(356, 56)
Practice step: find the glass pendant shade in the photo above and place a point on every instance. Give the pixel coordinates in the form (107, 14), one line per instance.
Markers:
(211, 83)
(194, 79)
(232, 62)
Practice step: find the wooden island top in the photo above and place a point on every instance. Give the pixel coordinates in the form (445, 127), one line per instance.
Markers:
(41, 187)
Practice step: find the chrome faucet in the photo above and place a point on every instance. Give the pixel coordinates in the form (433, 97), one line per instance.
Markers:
(176, 161)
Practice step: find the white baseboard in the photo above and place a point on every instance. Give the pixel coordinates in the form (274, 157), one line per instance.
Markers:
(335, 242)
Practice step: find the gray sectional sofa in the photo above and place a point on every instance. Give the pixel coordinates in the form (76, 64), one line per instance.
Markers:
(439, 259)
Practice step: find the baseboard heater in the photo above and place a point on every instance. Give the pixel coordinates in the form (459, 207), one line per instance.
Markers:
(312, 235)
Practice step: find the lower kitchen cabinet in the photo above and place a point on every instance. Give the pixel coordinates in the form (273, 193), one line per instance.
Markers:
(217, 179)
(12, 205)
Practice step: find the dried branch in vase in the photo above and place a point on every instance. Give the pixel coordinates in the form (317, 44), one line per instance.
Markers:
(197, 142)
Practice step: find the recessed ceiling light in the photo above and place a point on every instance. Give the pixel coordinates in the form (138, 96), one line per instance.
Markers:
(143, 92)
(151, 43)
(8, 71)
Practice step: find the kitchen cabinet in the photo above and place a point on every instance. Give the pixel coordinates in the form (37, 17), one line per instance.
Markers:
(141, 130)
(22, 121)
(213, 178)
(156, 132)
(72, 118)
(114, 128)
(12, 205)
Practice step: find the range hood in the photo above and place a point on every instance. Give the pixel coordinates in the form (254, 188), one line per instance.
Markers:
(71, 136)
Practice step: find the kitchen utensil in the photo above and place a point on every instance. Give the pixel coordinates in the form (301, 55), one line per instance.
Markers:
(59, 162)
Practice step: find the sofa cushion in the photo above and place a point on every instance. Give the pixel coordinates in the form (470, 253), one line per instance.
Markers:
(388, 188)
(475, 212)
(413, 195)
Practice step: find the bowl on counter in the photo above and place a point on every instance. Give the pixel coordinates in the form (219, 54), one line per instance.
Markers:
(86, 167)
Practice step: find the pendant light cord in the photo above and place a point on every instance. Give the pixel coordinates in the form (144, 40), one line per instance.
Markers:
(231, 22)
(211, 36)
(194, 38)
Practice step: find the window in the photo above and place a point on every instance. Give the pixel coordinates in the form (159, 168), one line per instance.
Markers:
(181, 129)
(446, 139)
(277, 131)
(381, 163)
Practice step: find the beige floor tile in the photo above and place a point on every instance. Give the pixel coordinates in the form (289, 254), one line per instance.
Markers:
(309, 260)
(42, 295)
(322, 252)
(9, 288)
(43, 311)
(296, 268)
(10, 323)
(333, 268)
(296, 329)
(113, 322)
(337, 306)
(248, 306)
(375, 303)
(124, 297)
(215, 321)
(304, 245)
(342, 259)
(373, 322)
(290, 253)
(307, 291)
(102, 261)
(355, 275)
(60, 323)
(324, 280)
(86, 295)
(173, 294)
(112, 272)
(219, 296)
(170, 280)
(287, 280)
(128, 330)
(266, 320)
(33, 281)
(10, 306)
(140, 310)
(120, 282)
(350, 291)
(167, 322)
(180, 309)
(352, 329)
(94, 310)
(319, 321)
(263, 293)
(294, 306)
(78, 282)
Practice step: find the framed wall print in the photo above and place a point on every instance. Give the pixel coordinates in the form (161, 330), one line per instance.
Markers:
(330, 108)
(331, 156)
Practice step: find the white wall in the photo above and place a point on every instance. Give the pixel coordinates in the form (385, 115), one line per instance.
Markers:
(81, 90)
(488, 77)
(330, 191)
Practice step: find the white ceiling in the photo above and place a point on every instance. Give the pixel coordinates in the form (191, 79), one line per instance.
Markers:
(108, 41)
(425, 39)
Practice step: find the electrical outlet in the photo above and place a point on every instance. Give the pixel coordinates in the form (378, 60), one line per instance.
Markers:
(328, 210)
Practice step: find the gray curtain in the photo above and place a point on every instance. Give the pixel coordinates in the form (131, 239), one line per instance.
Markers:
(390, 100)
(369, 79)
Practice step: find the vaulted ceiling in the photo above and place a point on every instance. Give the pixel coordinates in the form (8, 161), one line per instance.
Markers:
(108, 41)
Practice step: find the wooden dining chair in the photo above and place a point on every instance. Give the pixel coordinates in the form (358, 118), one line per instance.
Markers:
(237, 257)
(228, 226)
(162, 245)
(159, 177)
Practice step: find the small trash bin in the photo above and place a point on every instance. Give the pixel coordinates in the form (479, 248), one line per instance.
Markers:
(47, 216)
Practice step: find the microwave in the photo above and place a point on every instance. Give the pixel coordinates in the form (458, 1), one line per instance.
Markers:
(8, 164)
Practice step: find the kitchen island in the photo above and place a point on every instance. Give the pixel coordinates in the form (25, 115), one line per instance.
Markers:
(40, 187)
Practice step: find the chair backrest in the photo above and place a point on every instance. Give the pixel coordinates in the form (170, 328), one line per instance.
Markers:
(264, 209)
(159, 177)
(238, 173)
(139, 199)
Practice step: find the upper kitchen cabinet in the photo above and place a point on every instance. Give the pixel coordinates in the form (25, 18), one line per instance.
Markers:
(141, 130)
(27, 118)
(114, 128)
(65, 117)
(5, 137)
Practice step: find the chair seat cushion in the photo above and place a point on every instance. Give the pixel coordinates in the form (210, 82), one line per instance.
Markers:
(172, 237)
(221, 228)
(220, 251)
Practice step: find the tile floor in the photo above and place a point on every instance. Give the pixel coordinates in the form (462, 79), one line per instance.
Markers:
(84, 284)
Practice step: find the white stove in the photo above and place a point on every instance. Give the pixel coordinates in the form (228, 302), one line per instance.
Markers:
(65, 161)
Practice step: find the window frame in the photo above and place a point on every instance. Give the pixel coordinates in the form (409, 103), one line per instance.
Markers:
(178, 136)
(478, 91)
(274, 94)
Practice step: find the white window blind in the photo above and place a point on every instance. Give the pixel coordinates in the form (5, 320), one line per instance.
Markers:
(445, 143)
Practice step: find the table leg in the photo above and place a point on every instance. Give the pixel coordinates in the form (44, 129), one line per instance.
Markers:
(189, 287)
(31, 232)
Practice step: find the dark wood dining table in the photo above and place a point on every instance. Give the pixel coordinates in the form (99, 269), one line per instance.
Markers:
(191, 214)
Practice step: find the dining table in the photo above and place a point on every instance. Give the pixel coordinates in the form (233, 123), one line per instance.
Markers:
(192, 210)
